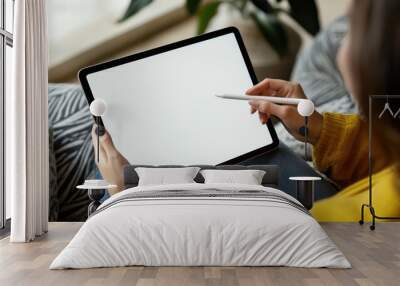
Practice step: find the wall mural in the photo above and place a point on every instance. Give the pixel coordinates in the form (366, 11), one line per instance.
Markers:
(382, 108)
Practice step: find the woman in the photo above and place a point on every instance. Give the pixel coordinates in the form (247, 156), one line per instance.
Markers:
(369, 60)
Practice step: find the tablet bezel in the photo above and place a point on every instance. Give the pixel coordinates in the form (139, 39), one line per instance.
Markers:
(83, 73)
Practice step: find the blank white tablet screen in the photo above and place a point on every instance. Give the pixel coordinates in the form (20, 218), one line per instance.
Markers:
(162, 109)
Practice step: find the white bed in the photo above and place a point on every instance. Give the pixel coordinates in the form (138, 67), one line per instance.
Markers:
(236, 229)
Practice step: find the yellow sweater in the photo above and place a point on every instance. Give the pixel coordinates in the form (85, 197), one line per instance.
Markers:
(342, 153)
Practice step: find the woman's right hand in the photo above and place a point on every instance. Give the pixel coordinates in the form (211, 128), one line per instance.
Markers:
(287, 114)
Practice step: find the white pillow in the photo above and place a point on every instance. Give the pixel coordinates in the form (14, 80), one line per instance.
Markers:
(165, 176)
(248, 177)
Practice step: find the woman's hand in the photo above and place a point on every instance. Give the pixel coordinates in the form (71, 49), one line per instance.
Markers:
(111, 164)
(287, 114)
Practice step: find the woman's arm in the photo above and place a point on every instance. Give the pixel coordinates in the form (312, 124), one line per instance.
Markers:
(342, 149)
(340, 141)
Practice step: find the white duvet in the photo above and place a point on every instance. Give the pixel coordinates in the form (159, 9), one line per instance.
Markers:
(200, 231)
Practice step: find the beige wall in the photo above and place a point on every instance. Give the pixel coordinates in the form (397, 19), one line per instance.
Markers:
(182, 27)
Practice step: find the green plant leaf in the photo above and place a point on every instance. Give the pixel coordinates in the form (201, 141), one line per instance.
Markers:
(273, 31)
(305, 12)
(263, 5)
(134, 7)
(192, 6)
(206, 13)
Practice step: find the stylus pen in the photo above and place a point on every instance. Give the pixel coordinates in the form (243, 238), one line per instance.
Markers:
(273, 99)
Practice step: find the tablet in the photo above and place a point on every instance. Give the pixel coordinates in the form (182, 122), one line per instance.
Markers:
(161, 107)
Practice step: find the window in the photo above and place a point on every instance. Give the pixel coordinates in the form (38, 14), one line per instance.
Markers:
(6, 43)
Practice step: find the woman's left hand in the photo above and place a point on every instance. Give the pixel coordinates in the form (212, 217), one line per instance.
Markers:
(111, 163)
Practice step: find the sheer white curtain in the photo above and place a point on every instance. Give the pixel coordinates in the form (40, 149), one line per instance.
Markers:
(26, 123)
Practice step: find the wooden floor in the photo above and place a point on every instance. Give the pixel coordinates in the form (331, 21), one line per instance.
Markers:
(375, 257)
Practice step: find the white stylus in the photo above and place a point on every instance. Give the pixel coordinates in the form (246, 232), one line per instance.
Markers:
(305, 107)
(278, 100)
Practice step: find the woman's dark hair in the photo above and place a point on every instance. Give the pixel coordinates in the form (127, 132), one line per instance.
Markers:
(375, 63)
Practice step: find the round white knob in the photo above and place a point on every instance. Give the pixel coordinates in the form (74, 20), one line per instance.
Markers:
(98, 107)
(305, 107)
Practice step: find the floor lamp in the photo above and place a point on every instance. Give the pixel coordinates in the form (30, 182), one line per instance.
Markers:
(98, 108)
(96, 188)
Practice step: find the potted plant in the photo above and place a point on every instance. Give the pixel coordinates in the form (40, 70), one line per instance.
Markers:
(271, 43)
